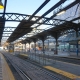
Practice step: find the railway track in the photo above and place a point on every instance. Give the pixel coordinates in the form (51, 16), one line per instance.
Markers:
(22, 74)
(29, 71)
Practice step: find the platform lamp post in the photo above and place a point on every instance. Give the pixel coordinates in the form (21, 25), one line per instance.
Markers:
(1, 5)
(25, 47)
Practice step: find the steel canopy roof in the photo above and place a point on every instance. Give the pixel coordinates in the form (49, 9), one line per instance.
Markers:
(23, 28)
(58, 24)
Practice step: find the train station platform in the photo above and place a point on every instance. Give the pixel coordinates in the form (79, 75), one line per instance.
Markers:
(5, 72)
(33, 71)
(67, 69)
(67, 55)
(64, 54)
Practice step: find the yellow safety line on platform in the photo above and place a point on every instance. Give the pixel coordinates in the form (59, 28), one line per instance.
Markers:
(64, 73)
(7, 73)
(24, 55)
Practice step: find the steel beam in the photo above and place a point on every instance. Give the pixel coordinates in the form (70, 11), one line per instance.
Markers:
(5, 4)
(51, 9)
(45, 2)
(66, 8)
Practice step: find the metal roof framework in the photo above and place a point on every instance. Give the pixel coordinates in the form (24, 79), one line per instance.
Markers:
(19, 30)
(55, 32)
(58, 30)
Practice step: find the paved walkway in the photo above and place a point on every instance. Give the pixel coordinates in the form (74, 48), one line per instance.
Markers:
(5, 72)
(63, 54)
(68, 55)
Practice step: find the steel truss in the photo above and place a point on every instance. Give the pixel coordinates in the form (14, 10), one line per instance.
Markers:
(16, 17)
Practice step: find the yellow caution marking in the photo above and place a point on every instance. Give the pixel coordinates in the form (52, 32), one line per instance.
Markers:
(24, 55)
(6, 71)
(64, 73)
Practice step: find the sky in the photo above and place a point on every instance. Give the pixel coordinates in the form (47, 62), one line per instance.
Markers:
(28, 7)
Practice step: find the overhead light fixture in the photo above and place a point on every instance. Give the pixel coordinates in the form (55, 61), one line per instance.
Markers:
(62, 12)
(1, 5)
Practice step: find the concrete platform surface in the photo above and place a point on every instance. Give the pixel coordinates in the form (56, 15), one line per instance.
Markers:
(5, 72)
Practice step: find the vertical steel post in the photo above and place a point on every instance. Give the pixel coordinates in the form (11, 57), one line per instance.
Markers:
(56, 50)
(44, 59)
(69, 49)
(5, 4)
(35, 50)
(77, 51)
(25, 47)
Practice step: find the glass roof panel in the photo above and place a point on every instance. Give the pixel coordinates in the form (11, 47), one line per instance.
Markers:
(71, 13)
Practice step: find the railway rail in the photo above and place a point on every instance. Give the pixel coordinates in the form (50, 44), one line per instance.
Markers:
(22, 74)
